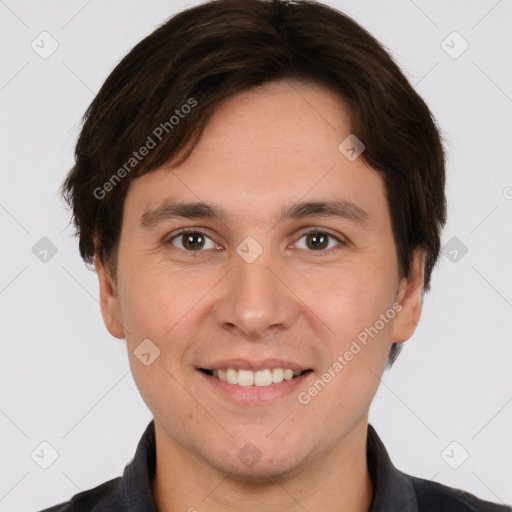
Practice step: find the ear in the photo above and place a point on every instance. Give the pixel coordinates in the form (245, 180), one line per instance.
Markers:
(109, 300)
(410, 298)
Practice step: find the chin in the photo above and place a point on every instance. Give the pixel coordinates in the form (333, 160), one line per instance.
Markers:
(260, 463)
(264, 473)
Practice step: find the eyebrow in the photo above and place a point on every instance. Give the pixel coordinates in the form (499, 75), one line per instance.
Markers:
(169, 210)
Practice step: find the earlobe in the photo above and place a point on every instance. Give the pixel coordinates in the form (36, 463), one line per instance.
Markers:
(109, 300)
(410, 297)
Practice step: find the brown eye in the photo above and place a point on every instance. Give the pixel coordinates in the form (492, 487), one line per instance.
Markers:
(318, 241)
(192, 241)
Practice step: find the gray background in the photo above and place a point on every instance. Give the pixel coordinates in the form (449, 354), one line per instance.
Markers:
(65, 381)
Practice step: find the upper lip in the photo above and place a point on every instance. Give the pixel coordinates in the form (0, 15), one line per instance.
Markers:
(245, 364)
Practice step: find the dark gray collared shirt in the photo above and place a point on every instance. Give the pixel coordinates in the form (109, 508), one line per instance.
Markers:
(393, 491)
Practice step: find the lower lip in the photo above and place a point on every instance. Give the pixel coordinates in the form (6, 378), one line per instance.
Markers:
(256, 395)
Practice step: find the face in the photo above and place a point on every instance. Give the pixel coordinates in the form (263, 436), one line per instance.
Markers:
(259, 287)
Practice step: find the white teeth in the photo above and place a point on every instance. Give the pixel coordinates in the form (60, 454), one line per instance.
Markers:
(260, 378)
(245, 378)
(288, 374)
(277, 375)
(231, 376)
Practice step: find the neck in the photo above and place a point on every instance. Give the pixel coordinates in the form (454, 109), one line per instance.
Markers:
(339, 480)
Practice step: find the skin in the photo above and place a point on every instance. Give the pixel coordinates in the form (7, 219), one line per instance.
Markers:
(262, 149)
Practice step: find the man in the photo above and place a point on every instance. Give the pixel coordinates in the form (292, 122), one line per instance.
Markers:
(262, 193)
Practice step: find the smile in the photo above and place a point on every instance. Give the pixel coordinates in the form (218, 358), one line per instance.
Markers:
(260, 378)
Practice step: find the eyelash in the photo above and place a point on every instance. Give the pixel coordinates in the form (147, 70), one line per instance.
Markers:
(323, 252)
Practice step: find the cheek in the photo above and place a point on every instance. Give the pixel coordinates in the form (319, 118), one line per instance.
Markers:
(355, 354)
(357, 305)
(351, 299)
(154, 301)
(167, 308)
(156, 307)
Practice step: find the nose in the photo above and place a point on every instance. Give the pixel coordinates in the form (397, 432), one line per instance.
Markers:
(255, 301)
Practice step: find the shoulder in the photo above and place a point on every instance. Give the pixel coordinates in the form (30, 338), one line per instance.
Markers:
(433, 496)
(102, 498)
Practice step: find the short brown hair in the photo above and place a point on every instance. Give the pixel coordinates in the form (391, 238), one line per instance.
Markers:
(214, 50)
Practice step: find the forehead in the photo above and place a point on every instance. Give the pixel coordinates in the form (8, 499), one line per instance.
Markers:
(283, 114)
(264, 147)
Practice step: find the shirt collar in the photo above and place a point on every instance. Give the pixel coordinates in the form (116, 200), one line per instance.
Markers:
(135, 491)
(392, 489)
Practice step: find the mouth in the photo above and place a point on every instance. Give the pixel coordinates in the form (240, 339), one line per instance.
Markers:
(259, 378)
